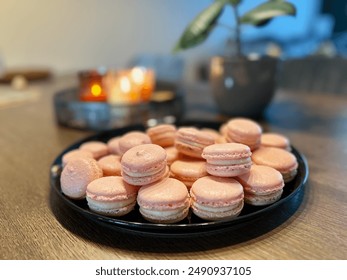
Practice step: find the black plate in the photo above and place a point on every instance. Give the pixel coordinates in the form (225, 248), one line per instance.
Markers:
(192, 225)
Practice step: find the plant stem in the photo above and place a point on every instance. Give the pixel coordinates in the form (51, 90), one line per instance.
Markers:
(237, 33)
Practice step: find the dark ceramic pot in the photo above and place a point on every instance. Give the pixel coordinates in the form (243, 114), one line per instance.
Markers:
(241, 86)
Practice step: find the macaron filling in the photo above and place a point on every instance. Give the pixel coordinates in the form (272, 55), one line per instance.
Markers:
(172, 216)
(262, 199)
(110, 204)
(213, 214)
(146, 179)
(144, 173)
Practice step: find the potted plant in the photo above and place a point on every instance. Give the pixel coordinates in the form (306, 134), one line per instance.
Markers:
(240, 86)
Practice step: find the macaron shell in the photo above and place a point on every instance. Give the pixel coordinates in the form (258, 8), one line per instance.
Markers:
(226, 151)
(113, 145)
(77, 174)
(263, 185)
(243, 127)
(111, 196)
(74, 154)
(144, 164)
(172, 154)
(245, 131)
(143, 158)
(221, 140)
(132, 139)
(97, 148)
(146, 179)
(111, 188)
(191, 141)
(275, 140)
(189, 150)
(214, 133)
(110, 165)
(280, 159)
(188, 170)
(216, 191)
(163, 135)
(223, 130)
(165, 194)
(261, 180)
(191, 134)
(290, 175)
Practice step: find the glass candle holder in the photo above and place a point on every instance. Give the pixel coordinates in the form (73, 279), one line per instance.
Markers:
(144, 78)
(130, 86)
(92, 88)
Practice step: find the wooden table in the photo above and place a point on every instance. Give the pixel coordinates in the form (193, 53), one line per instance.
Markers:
(312, 226)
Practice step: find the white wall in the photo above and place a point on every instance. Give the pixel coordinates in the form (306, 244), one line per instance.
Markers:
(69, 35)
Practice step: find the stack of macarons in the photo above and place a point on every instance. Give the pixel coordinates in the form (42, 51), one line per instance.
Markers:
(168, 170)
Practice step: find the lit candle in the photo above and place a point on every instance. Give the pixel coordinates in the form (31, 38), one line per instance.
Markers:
(129, 86)
(143, 78)
(121, 89)
(91, 86)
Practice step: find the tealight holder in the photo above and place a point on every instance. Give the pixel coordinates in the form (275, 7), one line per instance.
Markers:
(117, 98)
(130, 86)
(91, 86)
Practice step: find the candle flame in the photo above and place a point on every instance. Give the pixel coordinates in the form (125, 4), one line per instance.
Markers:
(125, 85)
(96, 90)
(138, 75)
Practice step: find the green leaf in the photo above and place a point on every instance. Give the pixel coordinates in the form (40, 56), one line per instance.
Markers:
(267, 11)
(200, 28)
(235, 2)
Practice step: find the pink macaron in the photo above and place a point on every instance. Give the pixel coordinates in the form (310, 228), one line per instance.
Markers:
(188, 170)
(263, 185)
(97, 148)
(74, 154)
(191, 141)
(244, 131)
(227, 160)
(163, 135)
(144, 164)
(215, 198)
(283, 161)
(110, 165)
(132, 139)
(172, 154)
(221, 139)
(214, 133)
(111, 196)
(77, 174)
(113, 145)
(275, 140)
(166, 201)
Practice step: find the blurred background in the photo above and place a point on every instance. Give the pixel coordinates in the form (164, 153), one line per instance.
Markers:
(67, 36)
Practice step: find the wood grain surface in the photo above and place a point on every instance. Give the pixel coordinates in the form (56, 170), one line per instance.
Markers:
(36, 225)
